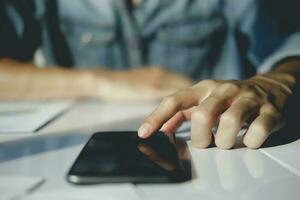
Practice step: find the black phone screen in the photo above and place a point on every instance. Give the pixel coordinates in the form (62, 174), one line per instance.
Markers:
(123, 157)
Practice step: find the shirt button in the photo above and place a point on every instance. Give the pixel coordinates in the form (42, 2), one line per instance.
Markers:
(86, 38)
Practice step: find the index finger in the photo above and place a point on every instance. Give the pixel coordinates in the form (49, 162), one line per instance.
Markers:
(168, 108)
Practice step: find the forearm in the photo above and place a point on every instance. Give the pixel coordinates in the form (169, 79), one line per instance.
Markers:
(23, 81)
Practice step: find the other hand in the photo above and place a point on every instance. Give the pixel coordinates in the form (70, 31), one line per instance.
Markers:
(142, 84)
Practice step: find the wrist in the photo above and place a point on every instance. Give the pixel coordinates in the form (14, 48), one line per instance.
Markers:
(286, 73)
(284, 78)
(271, 80)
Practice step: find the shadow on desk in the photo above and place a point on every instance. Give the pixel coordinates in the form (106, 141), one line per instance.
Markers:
(291, 131)
(286, 135)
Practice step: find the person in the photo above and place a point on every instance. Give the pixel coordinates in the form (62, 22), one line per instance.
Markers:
(202, 39)
(106, 46)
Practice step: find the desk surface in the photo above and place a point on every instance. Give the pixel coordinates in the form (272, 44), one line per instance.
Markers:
(268, 173)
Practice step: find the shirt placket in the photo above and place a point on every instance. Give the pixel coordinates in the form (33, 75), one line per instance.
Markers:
(131, 34)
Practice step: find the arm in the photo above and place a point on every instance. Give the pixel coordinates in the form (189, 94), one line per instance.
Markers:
(259, 100)
(24, 81)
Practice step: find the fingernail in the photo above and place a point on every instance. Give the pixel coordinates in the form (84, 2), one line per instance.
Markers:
(144, 130)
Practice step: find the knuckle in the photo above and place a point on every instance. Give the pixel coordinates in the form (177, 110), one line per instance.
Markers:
(231, 118)
(182, 93)
(151, 120)
(253, 102)
(269, 108)
(231, 86)
(250, 94)
(169, 100)
(207, 83)
(202, 115)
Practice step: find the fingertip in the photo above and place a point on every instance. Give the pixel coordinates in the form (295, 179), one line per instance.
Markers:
(256, 135)
(251, 142)
(144, 131)
(224, 143)
(201, 144)
(224, 146)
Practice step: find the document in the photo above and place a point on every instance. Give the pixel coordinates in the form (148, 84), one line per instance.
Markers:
(14, 187)
(20, 117)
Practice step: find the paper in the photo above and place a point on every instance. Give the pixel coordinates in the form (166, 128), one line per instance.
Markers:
(106, 192)
(13, 188)
(28, 116)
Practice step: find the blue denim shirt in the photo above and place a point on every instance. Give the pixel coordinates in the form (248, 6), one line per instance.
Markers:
(197, 38)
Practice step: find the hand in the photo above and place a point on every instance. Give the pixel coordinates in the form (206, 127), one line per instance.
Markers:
(24, 81)
(258, 100)
(148, 83)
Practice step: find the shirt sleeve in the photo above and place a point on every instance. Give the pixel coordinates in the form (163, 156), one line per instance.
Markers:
(267, 46)
(290, 48)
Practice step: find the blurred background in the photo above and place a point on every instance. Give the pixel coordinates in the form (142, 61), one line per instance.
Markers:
(135, 50)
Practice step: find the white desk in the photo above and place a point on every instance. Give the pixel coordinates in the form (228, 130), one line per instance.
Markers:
(269, 173)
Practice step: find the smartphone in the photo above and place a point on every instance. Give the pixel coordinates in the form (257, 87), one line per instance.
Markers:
(116, 157)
